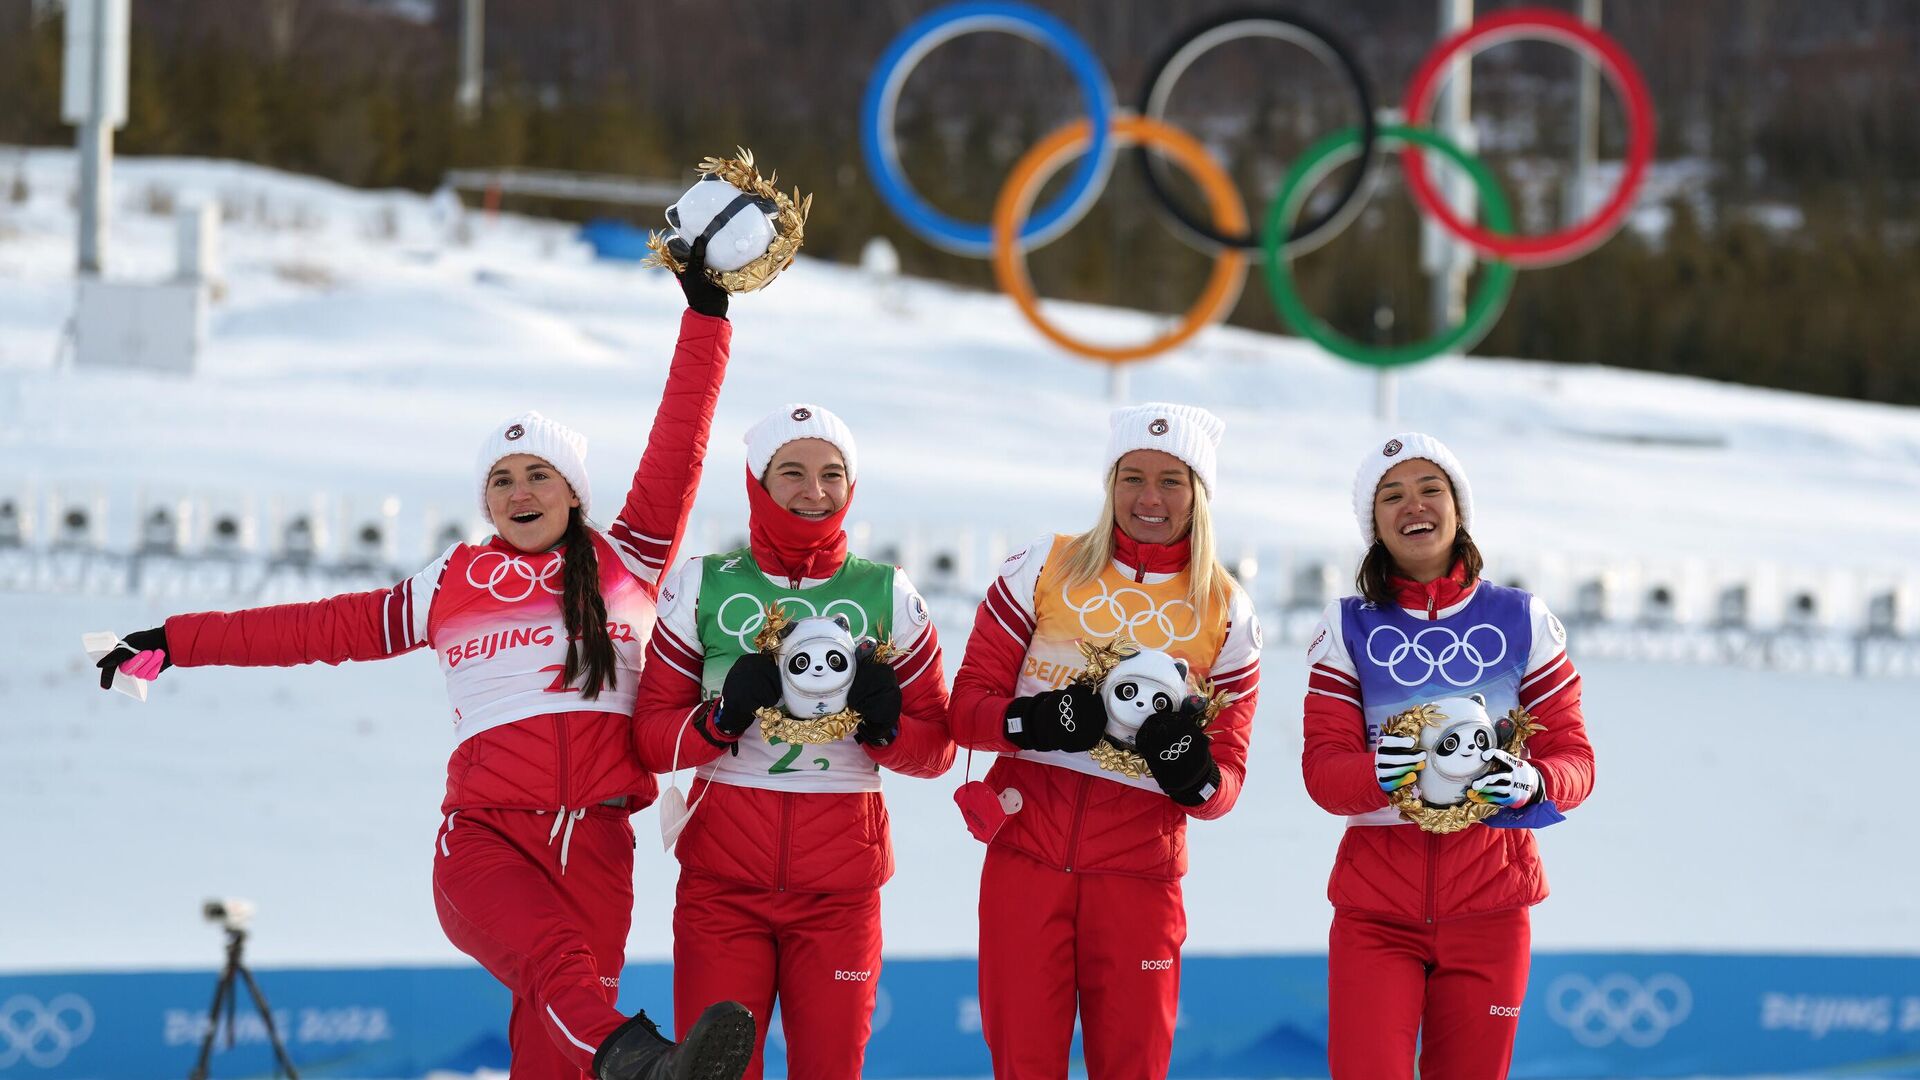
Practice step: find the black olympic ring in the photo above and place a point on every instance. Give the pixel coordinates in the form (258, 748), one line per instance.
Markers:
(1248, 22)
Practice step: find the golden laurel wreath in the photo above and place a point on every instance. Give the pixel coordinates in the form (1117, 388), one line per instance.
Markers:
(789, 225)
(1112, 756)
(775, 723)
(1448, 819)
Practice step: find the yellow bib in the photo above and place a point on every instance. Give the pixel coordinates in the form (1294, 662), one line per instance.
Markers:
(1157, 615)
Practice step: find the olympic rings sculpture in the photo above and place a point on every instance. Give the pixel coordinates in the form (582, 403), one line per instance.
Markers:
(1016, 229)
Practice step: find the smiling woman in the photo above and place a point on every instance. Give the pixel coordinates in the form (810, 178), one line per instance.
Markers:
(1080, 902)
(539, 632)
(1408, 972)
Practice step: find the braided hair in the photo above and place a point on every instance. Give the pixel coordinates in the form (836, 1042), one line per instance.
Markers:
(589, 646)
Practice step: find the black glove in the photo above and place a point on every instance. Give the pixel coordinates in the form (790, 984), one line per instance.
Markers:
(753, 683)
(702, 294)
(1072, 719)
(875, 695)
(138, 643)
(1179, 754)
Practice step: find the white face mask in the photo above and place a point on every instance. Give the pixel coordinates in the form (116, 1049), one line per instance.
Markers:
(675, 812)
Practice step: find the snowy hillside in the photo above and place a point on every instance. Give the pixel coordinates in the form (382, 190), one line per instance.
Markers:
(362, 348)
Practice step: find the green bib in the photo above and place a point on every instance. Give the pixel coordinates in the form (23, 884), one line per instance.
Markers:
(734, 595)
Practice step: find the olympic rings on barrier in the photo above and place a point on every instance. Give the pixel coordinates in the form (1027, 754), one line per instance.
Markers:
(1166, 72)
(883, 94)
(1012, 232)
(1484, 307)
(1577, 239)
(1030, 174)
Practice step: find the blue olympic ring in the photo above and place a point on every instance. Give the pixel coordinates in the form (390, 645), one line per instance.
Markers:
(883, 94)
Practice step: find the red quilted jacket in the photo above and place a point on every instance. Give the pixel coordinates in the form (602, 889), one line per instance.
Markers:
(561, 759)
(1070, 820)
(1401, 871)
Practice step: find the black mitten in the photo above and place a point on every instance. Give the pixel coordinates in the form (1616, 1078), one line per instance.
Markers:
(1072, 719)
(137, 644)
(753, 683)
(702, 294)
(875, 695)
(1179, 754)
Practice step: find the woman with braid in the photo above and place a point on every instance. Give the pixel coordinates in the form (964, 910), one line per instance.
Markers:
(540, 633)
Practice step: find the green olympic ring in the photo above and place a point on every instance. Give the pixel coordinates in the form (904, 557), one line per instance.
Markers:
(1483, 309)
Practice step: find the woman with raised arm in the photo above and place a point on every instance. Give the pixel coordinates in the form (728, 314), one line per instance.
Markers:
(1080, 900)
(539, 632)
(787, 845)
(1430, 940)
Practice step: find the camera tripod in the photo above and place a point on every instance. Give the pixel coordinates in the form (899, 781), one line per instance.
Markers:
(226, 993)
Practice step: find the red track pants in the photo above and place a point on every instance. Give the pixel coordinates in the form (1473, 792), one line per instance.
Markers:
(819, 953)
(1047, 936)
(556, 940)
(1454, 986)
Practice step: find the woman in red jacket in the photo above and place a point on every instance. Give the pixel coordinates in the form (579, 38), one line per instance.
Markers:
(1430, 936)
(539, 633)
(1080, 895)
(783, 856)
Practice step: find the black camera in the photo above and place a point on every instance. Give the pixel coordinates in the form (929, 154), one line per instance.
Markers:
(230, 912)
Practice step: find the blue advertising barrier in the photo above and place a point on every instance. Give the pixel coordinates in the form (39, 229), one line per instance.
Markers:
(1585, 1015)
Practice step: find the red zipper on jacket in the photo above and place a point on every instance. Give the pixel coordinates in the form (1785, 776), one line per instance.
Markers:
(786, 840)
(1431, 617)
(1433, 844)
(1079, 815)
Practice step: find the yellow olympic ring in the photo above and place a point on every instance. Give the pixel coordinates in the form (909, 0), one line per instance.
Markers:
(1033, 170)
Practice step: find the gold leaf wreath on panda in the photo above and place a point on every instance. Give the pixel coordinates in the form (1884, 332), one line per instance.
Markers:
(776, 724)
(789, 225)
(1108, 754)
(1448, 819)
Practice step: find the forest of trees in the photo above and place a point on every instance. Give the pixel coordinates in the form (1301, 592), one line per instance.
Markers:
(1801, 105)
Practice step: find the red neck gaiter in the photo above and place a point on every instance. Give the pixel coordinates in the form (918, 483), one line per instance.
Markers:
(1431, 596)
(1151, 558)
(785, 543)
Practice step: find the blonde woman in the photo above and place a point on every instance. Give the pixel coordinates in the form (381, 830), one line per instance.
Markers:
(1080, 896)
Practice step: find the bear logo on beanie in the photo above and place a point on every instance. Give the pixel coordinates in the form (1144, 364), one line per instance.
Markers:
(516, 431)
(1158, 427)
(1393, 447)
(801, 415)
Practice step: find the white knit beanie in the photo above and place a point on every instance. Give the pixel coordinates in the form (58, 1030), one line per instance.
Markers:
(530, 433)
(1188, 432)
(1407, 446)
(798, 421)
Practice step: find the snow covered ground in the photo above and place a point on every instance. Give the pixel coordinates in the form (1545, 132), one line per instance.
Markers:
(360, 354)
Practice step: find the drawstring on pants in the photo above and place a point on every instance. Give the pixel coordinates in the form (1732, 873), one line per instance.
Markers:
(568, 818)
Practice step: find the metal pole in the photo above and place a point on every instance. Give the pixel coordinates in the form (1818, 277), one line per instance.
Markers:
(1448, 260)
(473, 18)
(95, 143)
(1586, 148)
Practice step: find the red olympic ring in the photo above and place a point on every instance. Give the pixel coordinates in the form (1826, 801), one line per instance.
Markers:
(1538, 23)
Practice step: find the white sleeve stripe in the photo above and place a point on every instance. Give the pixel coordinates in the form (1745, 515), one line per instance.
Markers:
(1236, 672)
(620, 524)
(406, 617)
(669, 661)
(1557, 663)
(1355, 702)
(926, 661)
(1561, 685)
(1006, 597)
(1336, 673)
(1018, 640)
(386, 621)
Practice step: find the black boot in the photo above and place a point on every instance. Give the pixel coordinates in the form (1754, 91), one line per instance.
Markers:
(718, 1048)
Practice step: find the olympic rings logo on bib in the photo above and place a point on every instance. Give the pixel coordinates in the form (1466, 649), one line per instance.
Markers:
(752, 615)
(43, 1035)
(1131, 612)
(1017, 229)
(1455, 653)
(513, 578)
